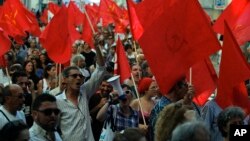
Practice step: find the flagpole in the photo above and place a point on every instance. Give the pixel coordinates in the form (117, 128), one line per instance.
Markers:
(60, 77)
(56, 73)
(87, 15)
(190, 75)
(7, 73)
(136, 91)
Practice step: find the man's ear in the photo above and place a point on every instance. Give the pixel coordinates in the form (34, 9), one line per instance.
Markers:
(34, 114)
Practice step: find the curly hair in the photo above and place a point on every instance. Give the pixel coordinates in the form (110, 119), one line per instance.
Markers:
(168, 119)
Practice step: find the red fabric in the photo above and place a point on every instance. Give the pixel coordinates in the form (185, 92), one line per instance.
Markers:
(173, 43)
(148, 11)
(4, 43)
(230, 14)
(57, 38)
(242, 27)
(234, 70)
(121, 21)
(135, 25)
(53, 8)
(122, 67)
(144, 84)
(93, 12)
(108, 10)
(76, 16)
(87, 33)
(204, 80)
(16, 19)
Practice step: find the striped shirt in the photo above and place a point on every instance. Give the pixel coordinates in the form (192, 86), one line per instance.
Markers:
(75, 121)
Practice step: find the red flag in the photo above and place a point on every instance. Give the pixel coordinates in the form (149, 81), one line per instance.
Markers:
(4, 43)
(93, 12)
(49, 12)
(76, 16)
(149, 10)
(204, 80)
(108, 10)
(122, 67)
(234, 70)
(230, 14)
(135, 25)
(87, 33)
(242, 27)
(56, 37)
(173, 43)
(16, 19)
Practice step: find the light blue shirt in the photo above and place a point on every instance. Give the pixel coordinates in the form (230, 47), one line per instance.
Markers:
(210, 114)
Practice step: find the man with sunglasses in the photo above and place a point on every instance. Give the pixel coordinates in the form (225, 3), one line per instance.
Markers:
(46, 116)
(75, 120)
(13, 100)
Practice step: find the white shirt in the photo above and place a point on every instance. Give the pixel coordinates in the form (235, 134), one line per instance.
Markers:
(19, 116)
(39, 134)
(75, 121)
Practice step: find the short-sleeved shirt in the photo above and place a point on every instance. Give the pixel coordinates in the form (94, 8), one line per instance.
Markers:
(120, 120)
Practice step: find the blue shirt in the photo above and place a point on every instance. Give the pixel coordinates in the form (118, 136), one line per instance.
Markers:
(210, 114)
(120, 120)
(154, 114)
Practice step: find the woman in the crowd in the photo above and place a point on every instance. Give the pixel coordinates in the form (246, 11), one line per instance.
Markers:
(147, 88)
(230, 116)
(44, 85)
(30, 71)
(170, 117)
(15, 131)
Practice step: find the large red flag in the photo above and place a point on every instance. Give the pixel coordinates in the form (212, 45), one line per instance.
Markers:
(56, 37)
(149, 10)
(135, 25)
(4, 43)
(87, 33)
(242, 27)
(16, 19)
(204, 80)
(230, 14)
(122, 67)
(176, 40)
(109, 11)
(93, 12)
(76, 16)
(234, 70)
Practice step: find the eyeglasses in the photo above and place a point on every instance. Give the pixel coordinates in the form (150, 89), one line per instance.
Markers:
(48, 112)
(75, 75)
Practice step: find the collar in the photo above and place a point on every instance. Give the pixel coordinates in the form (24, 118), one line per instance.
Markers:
(38, 130)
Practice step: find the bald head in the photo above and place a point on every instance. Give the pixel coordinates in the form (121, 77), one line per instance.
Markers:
(13, 97)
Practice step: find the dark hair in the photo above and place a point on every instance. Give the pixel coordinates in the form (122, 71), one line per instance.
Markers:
(6, 92)
(47, 68)
(226, 115)
(15, 75)
(129, 134)
(15, 68)
(42, 98)
(25, 64)
(11, 130)
(66, 71)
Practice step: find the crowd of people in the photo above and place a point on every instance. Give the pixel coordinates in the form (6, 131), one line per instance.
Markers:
(40, 103)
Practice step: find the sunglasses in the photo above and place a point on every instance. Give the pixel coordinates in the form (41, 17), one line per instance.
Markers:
(48, 112)
(76, 75)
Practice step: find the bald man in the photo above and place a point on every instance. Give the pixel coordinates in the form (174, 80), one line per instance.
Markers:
(13, 100)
